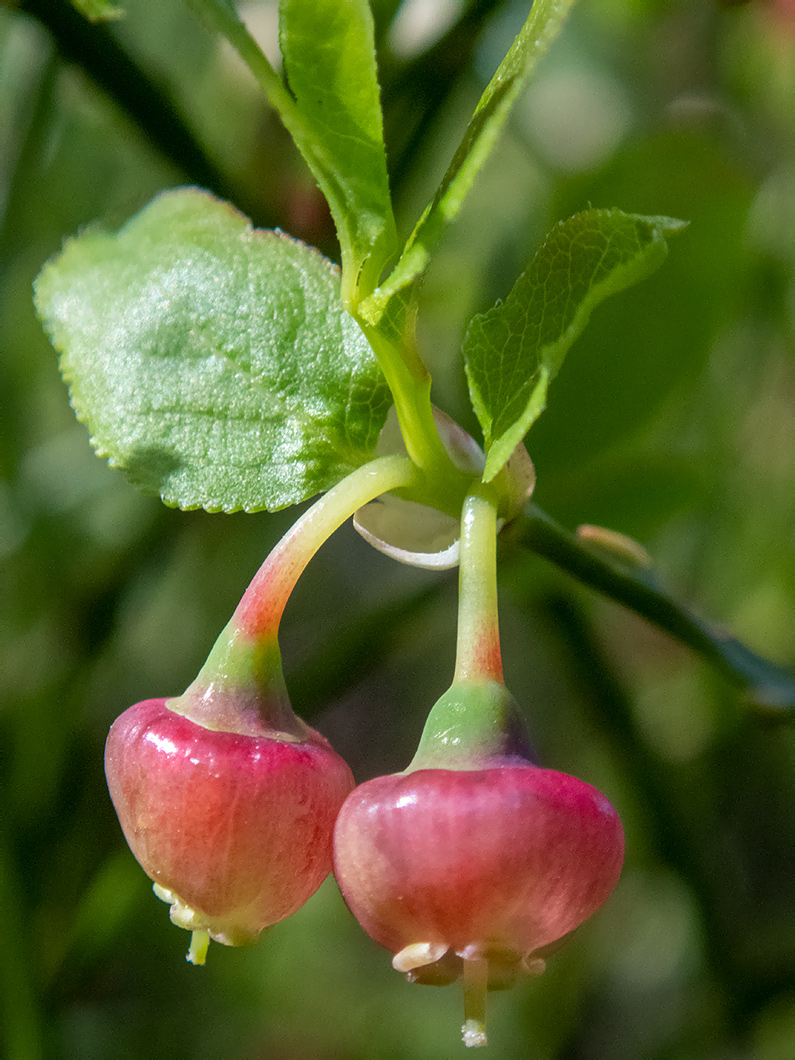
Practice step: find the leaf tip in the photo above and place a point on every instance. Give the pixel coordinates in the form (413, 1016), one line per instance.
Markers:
(495, 461)
(669, 226)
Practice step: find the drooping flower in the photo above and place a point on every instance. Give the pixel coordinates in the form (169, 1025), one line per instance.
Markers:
(234, 828)
(474, 861)
(226, 798)
(477, 867)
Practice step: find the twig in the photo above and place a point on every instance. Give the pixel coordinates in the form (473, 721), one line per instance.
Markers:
(770, 686)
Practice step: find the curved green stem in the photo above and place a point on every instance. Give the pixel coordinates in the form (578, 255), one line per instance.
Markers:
(259, 612)
(247, 653)
(410, 383)
(226, 20)
(771, 686)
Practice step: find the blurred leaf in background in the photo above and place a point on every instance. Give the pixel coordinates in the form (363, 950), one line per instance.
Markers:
(672, 420)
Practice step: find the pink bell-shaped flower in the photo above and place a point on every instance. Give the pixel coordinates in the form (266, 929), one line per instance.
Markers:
(475, 867)
(234, 828)
(474, 861)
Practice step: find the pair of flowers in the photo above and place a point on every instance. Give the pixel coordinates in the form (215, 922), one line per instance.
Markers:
(474, 868)
(473, 862)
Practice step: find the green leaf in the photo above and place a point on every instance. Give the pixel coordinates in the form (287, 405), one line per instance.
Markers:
(212, 361)
(98, 10)
(329, 57)
(513, 351)
(543, 24)
(620, 382)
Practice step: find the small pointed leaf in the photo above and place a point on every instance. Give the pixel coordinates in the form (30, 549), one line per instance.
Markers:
(329, 58)
(543, 24)
(514, 350)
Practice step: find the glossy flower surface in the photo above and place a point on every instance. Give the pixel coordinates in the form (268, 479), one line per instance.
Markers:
(499, 863)
(234, 829)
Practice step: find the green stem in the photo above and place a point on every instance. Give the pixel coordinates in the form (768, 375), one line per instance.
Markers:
(225, 19)
(478, 656)
(246, 655)
(771, 686)
(259, 612)
(476, 721)
(241, 686)
(410, 383)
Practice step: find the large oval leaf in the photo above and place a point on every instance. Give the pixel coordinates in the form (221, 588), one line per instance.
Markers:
(211, 361)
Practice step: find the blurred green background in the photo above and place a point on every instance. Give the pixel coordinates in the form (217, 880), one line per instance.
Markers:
(673, 421)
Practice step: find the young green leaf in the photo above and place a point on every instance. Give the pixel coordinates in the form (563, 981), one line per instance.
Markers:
(329, 58)
(98, 10)
(513, 351)
(543, 24)
(212, 361)
(332, 110)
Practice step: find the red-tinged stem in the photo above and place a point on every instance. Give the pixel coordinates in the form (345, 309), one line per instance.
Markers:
(245, 660)
(478, 656)
(260, 611)
(476, 722)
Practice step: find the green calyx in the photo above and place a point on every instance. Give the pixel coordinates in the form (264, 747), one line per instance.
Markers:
(241, 689)
(474, 725)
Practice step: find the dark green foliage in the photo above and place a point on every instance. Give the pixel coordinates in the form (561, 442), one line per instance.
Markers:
(671, 420)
